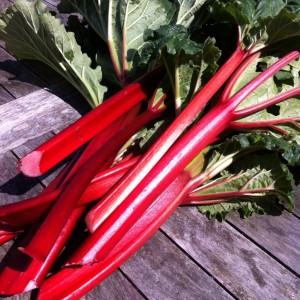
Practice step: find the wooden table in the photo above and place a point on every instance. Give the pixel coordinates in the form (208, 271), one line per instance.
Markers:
(190, 257)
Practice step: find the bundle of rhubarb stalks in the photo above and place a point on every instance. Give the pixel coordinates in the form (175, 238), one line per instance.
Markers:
(194, 103)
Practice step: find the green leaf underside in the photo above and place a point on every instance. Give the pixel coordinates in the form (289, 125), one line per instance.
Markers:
(251, 185)
(287, 109)
(128, 20)
(187, 10)
(31, 32)
(244, 143)
(93, 11)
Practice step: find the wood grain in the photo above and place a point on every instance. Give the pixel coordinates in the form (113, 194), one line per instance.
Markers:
(161, 271)
(31, 116)
(279, 235)
(16, 78)
(297, 201)
(5, 96)
(115, 287)
(242, 267)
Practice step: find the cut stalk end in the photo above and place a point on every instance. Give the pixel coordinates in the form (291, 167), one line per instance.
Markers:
(29, 165)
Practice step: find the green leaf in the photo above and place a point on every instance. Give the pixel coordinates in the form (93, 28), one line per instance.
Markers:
(94, 12)
(293, 6)
(192, 72)
(269, 8)
(187, 10)
(262, 23)
(189, 64)
(122, 24)
(127, 23)
(248, 142)
(283, 81)
(31, 32)
(172, 39)
(251, 185)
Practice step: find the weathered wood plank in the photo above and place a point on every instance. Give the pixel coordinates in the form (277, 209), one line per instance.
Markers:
(243, 268)
(279, 235)
(16, 78)
(161, 271)
(31, 116)
(115, 287)
(5, 96)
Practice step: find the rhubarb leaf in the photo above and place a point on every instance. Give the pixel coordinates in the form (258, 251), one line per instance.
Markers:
(245, 143)
(191, 72)
(251, 185)
(94, 12)
(31, 32)
(189, 64)
(122, 24)
(187, 11)
(287, 111)
(127, 22)
(262, 22)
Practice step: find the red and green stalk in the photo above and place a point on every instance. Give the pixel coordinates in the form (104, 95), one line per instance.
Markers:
(100, 212)
(202, 134)
(143, 199)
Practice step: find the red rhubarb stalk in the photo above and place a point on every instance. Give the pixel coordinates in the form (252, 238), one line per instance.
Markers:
(101, 211)
(6, 237)
(30, 210)
(73, 283)
(276, 99)
(10, 213)
(169, 167)
(29, 273)
(71, 194)
(46, 156)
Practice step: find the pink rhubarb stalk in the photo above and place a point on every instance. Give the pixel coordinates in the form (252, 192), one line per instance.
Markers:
(22, 273)
(6, 237)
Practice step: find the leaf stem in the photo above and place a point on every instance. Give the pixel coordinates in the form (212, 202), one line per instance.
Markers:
(243, 125)
(276, 99)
